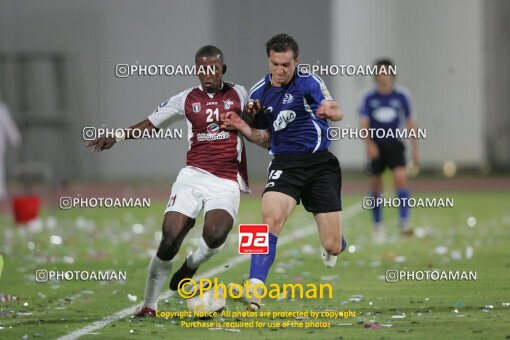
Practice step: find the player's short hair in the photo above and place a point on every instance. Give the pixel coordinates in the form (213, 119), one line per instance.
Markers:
(281, 43)
(209, 51)
(383, 62)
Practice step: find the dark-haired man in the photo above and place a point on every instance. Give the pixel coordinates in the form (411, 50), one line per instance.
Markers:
(383, 108)
(215, 172)
(291, 113)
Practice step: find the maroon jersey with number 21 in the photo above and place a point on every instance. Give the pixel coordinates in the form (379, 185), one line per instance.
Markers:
(212, 149)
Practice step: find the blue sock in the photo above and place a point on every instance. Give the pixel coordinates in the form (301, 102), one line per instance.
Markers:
(344, 244)
(377, 211)
(404, 207)
(261, 263)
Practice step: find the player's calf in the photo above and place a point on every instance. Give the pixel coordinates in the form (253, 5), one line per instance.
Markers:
(175, 228)
(202, 254)
(329, 255)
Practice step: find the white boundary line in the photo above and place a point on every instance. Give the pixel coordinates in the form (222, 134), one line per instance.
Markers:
(350, 212)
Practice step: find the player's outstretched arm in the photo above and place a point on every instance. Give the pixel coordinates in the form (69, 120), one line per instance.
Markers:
(232, 121)
(331, 110)
(105, 143)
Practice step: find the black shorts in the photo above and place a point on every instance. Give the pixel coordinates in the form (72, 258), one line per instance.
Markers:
(391, 154)
(316, 179)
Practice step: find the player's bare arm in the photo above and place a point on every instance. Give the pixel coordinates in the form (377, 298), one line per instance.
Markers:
(331, 110)
(411, 125)
(232, 121)
(105, 143)
(372, 149)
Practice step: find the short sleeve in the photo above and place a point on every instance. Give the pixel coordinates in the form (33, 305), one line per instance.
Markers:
(169, 111)
(243, 95)
(262, 121)
(406, 106)
(364, 110)
(317, 89)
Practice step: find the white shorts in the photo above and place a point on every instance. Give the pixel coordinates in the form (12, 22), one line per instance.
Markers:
(195, 189)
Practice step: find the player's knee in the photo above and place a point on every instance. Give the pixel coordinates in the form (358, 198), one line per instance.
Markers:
(333, 247)
(274, 222)
(168, 248)
(215, 236)
(170, 243)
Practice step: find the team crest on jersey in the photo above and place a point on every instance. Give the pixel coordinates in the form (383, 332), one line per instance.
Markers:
(227, 104)
(288, 98)
(196, 107)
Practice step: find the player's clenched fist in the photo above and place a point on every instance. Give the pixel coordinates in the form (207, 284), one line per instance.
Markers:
(253, 107)
(329, 109)
(231, 121)
(100, 144)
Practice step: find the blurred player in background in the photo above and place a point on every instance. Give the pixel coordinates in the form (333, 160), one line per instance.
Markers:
(215, 172)
(384, 108)
(9, 134)
(292, 111)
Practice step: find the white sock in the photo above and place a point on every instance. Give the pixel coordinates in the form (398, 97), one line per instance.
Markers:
(158, 272)
(201, 254)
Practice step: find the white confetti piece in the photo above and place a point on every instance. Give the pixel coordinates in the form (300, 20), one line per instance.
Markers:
(469, 252)
(420, 232)
(138, 228)
(308, 249)
(456, 255)
(441, 250)
(471, 221)
(56, 240)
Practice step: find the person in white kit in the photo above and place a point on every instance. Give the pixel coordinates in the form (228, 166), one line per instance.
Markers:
(216, 170)
(9, 134)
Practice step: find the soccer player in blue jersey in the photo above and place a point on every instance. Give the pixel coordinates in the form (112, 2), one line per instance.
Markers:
(384, 108)
(291, 112)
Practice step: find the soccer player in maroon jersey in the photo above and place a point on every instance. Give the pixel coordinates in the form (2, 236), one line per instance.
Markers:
(215, 172)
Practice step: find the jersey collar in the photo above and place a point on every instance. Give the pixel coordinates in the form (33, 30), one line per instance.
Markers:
(201, 89)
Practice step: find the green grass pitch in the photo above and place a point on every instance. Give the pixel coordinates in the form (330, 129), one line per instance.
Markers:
(102, 239)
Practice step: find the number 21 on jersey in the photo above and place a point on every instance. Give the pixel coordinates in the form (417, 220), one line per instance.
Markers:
(210, 113)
